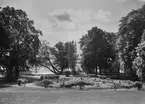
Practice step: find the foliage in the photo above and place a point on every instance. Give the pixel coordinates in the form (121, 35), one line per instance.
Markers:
(138, 66)
(129, 36)
(59, 57)
(41, 78)
(53, 76)
(4, 38)
(72, 56)
(138, 85)
(65, 55)
(45, 56)
(98, 49)
(59, 52)
(139, 61)
(44, 83)
(22, 41)
(81, 83)
(21, 81)
(92, 45)
(67, 73)
(74, 72)
(69, 84)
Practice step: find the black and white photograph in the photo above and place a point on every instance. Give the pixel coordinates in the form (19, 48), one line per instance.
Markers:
(72, 51)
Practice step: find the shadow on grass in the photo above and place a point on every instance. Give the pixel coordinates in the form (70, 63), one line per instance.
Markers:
(4, 84)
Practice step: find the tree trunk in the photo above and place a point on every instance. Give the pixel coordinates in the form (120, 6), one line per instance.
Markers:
(100, 70)
(62, 69)
(118, 70)
(17, 73)
(96, 70)
(9, 75)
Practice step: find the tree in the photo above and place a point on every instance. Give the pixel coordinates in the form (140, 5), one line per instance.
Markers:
(72, 56)
(45, 56)
(139, 66)
(23, 41)
(59, 53)
(139, 61)
(4, 38)
(4, 46)
(110, 56)
(129, 36)
(98, 50)
(57, 58)
(93, 48)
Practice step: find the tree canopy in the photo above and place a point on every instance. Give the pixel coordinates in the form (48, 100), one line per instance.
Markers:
(22, 40)
(129, 36)
(97, 48)
(58, 58)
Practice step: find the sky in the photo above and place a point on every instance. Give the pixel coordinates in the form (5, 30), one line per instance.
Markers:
(67, 20)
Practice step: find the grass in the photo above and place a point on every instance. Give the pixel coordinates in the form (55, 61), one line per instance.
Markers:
(30, 95)
(45, 96)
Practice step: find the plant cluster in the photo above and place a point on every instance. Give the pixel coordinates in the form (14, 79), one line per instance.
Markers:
(78, 82)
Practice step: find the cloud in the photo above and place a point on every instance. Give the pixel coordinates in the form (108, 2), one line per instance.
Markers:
(121, 1)
(141, 0)
(63, 17)
(71, 19)
(102, 15)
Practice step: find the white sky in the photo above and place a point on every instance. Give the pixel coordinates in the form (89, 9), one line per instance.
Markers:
(66, 20)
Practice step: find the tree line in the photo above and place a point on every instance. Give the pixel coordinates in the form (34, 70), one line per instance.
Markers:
(21, 49)
(123, 50)
(102, 51)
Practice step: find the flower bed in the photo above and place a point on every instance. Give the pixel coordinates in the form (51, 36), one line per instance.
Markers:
(89, 83)
(43, 83)
(75, 82)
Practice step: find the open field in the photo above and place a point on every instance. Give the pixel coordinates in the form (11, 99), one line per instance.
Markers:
(44, 96)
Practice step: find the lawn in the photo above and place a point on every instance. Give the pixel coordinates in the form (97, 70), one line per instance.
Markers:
(26, 95)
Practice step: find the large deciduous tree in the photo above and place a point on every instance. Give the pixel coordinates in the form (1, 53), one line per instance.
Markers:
(72, 56)
(97, 49)
(129, 36)
(23, 41)
(58, 58)
(45, 57)
(139, 61)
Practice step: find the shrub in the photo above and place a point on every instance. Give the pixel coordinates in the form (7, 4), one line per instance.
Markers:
(80, 83)
(39, 83)
(44, 83)
(22, 81)
(19, 82)
(41, 78)
(138, 85)
(69, 85)
(62, 84)
(50, 76)
(67, 73)
(74, 72)
(47, 82)
(138, 66)
(103, 82)
(53, 76)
